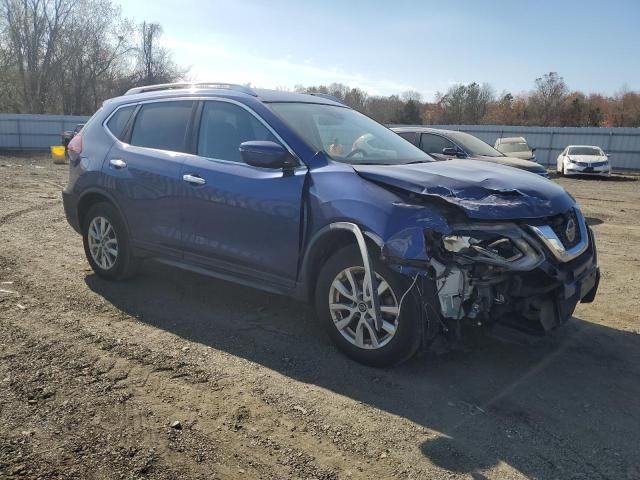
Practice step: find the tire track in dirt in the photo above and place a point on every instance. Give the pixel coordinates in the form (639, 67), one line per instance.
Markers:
(251, 427)
(13, 215)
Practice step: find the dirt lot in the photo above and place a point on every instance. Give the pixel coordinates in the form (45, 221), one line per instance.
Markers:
(93, 374)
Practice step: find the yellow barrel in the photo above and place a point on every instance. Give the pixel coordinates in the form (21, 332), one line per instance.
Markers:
(58, 154)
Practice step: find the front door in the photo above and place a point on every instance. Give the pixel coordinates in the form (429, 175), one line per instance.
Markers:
(239, 218)
(434, 146)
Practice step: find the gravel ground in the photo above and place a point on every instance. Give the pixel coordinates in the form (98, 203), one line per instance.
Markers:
(172, 375)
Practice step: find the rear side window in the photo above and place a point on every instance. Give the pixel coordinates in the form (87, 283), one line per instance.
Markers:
(163, 126)
(434, 143)
(409, 136)
(118, 122)
(224, 126)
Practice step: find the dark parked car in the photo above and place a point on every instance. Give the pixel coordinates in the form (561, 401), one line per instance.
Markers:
(67, 135)
(303, 196)
(448, 144)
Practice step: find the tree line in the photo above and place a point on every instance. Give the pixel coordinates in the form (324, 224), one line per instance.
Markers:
(549, 103)
(68, 56)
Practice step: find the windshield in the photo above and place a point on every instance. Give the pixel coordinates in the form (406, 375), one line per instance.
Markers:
(585, 151)
(347, 136)
(474, 146)
(514, 147)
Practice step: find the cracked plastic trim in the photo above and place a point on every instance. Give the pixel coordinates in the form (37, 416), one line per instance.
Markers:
(546, 234)
(369, 271)
(532, 253)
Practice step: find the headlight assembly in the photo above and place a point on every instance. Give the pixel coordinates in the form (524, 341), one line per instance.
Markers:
(504, 246)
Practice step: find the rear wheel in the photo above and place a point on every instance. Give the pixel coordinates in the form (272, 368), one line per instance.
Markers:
(106, 243)
(346, 310)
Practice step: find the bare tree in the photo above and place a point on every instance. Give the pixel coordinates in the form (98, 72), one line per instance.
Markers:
(32, 30)
(411, 95)
(547, 98)
(154, 61)
(95, 46)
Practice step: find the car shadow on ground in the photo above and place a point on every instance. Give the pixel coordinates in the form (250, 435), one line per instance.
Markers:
(615, 177)
(567, 406)
(612, 178)
(593, 221)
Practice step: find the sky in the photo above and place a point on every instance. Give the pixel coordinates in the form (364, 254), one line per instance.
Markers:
(387, 47)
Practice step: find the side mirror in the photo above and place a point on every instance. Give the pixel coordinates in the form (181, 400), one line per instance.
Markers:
(265, 154)
(608, 155)
(450, 152)
(533, 149)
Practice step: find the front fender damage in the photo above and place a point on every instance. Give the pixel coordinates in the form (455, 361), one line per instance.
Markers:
(440, 288)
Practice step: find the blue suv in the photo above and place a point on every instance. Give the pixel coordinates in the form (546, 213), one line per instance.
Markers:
(303, 196)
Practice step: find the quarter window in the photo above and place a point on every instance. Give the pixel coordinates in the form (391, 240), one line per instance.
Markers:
(224, 126)
(117, 124)
(163, 126)
(434, 143)
(409, 136)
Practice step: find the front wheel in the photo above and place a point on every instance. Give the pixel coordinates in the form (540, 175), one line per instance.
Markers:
(346, 311)
(106, 243)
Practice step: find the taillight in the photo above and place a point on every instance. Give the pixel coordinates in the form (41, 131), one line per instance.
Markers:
(75, 145)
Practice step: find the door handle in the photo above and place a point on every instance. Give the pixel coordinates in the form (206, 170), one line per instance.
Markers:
(193, 179)
(117, 164)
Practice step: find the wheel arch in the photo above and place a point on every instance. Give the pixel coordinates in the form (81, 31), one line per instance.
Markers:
(324, 243)
(91, 197)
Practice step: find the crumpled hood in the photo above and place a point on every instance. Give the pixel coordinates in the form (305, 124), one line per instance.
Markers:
(485, 191)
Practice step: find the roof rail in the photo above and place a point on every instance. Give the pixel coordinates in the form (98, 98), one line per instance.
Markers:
(327, 97)
(179, 85)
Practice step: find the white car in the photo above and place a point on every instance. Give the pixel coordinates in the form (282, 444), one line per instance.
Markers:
(583, 160)
(516, 147)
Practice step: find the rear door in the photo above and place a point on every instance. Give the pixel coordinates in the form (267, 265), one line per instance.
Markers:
(143, 170)
(239, 218)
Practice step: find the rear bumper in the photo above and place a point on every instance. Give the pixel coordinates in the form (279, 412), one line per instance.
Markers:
(70, 205)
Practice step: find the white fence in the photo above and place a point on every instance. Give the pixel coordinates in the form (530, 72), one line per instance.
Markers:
(623, 144)
(39, 132)
(34, 132)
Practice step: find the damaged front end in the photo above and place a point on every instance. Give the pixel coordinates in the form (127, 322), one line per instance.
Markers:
(527, 274)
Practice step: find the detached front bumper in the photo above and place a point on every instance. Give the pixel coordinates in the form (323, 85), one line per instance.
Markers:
(544, 299)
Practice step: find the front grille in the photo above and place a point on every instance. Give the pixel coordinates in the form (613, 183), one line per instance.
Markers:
(590, 164)
(560, 223)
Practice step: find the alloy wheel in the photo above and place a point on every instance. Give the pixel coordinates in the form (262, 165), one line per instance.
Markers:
(351, 309)
(103, 242)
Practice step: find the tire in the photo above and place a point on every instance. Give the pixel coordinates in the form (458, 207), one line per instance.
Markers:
(393, 348)
(123, 264)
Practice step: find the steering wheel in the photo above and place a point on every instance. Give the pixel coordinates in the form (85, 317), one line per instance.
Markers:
(356, 151)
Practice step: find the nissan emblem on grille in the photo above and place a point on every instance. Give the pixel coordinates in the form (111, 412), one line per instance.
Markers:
(570, 230)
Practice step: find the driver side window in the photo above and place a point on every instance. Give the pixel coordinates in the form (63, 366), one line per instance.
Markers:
(434, 143)
(224, 126)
